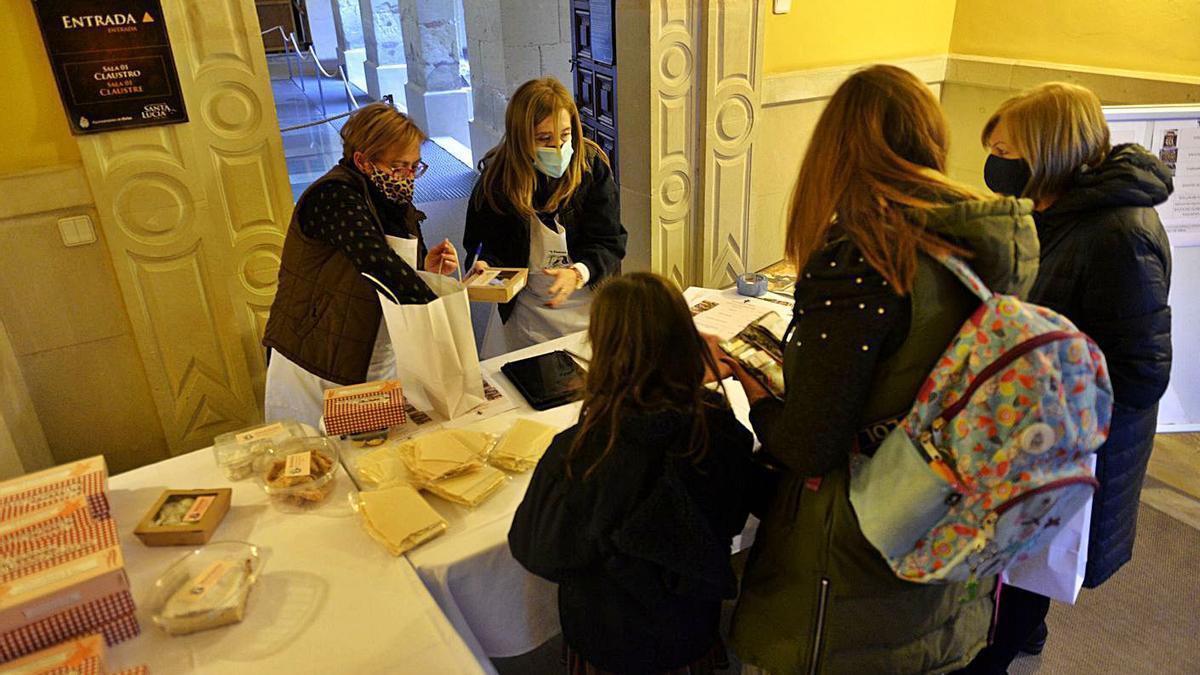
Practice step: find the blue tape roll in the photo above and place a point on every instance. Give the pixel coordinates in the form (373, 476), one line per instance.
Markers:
(752, 285)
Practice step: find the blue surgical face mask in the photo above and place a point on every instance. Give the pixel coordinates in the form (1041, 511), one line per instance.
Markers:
(554, 161)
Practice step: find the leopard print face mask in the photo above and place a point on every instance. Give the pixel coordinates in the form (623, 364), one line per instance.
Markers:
(395, 185)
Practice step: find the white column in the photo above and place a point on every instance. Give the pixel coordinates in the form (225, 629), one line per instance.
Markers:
(384, 68)
(688, 83)
(351, 51)
(732, 113)
(438, 96)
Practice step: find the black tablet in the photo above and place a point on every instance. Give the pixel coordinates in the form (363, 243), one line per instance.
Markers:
(546, 380)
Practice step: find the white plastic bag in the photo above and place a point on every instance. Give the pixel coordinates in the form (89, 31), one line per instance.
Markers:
(1057, 571)
(436, 360)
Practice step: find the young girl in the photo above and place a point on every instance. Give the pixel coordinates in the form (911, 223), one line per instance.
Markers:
(545, 200)
(631, 511)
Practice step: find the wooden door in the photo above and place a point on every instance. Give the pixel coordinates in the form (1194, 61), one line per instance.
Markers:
(594, 64)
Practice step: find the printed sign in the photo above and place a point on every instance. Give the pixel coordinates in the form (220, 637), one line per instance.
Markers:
(112, 61)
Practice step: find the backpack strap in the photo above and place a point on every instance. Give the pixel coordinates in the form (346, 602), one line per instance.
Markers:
(966, 275)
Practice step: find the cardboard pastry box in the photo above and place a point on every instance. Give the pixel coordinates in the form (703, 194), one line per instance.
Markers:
(184, 517)
(359, 408)
(63, 576)
(37, 491)
(496, 284)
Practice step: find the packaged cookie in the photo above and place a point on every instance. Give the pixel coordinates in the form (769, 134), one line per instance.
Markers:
(298, 472)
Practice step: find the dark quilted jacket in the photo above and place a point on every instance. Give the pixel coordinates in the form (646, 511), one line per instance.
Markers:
(1106, 265)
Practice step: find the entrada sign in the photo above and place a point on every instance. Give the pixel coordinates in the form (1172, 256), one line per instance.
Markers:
(113, 63)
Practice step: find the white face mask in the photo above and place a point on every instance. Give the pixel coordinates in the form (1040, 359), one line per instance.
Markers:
(554, 161)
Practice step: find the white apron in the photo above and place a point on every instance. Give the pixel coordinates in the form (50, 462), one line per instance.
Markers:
(531, 321)
(296, 394)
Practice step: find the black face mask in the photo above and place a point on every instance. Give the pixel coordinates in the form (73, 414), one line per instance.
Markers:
(1006, 176)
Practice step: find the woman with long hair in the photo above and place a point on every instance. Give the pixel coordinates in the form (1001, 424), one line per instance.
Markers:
(632, 510)
(874, 310)
(1106, 266)
(546, 200)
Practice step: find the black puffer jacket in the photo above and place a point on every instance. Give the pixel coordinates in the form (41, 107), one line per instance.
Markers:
(1106, 265)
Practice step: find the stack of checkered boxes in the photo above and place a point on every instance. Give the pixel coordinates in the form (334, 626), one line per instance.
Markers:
(62, 575)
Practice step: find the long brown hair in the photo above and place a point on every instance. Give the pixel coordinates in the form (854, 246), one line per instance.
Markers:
(876, 161)
(1056, 127)
(508, 173)
(646, 357)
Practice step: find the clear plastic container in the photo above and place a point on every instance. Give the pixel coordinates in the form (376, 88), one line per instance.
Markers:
(299, 472)
(206, 588)
(236, 451)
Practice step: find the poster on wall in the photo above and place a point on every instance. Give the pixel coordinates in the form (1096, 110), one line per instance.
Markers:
(1177, 144)
(113, 63)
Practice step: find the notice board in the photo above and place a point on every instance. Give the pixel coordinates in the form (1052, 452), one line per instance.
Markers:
(1172, 132)
(112, 61)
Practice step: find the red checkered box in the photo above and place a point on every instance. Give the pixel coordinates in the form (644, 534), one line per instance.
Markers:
(359, 408)
(61, 575)
(37, 491)
(82, 656)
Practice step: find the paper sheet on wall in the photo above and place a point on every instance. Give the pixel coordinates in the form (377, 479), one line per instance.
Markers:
(1177, 144)
(1129, 132)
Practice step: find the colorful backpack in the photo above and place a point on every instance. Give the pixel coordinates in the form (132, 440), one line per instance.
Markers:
(993, 456)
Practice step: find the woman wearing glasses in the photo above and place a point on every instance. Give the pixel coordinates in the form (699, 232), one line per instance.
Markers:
(546, 200)
(354, 237)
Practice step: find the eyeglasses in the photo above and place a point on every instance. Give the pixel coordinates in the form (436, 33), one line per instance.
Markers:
(417, 170)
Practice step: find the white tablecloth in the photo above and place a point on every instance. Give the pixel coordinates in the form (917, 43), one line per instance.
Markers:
(498, 607)
(329, 600)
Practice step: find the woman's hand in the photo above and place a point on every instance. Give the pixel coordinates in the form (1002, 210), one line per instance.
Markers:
(754, 389)
(566, 279)
(442, 259)
(478, 267)
(718, 357)
(727, 365)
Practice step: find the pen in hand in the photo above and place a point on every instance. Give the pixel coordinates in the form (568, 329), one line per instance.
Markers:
(475, 258)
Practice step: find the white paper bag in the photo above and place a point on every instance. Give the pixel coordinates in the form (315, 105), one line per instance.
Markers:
(436, 359)
(1057, 571)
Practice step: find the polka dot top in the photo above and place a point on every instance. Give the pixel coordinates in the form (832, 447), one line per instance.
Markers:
(339, 215)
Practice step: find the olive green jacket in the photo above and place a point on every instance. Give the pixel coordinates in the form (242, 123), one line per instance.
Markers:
(816, 597)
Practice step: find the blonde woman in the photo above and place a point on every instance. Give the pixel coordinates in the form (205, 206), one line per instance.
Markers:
(545, 200)
(354, 235)
(1106, 265)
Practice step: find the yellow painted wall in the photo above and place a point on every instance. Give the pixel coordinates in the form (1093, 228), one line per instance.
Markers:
(817, 34)
(1148, 35)
(33, 125)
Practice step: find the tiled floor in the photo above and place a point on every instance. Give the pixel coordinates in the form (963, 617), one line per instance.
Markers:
(311, 150)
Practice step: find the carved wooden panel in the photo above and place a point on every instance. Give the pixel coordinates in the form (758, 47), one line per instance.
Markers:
(194, 217)
(732, 84)
(674, 25)
(585, 92)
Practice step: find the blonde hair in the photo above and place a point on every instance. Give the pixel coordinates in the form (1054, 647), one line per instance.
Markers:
(876, 164)
(508, 169)
(374, 128)
(1056, 128)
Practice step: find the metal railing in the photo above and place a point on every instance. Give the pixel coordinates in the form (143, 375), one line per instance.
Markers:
(296, 59)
